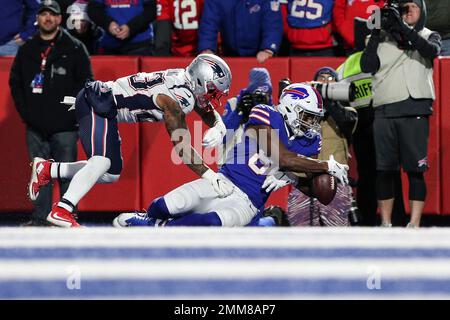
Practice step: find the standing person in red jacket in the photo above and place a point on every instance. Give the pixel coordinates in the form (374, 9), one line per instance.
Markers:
(177, 27)
(308, 27)
(344, 14)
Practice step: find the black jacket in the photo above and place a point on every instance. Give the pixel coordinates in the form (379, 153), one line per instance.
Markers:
(68, 67)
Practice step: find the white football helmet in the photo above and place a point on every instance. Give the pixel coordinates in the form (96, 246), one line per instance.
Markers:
(302, 108)
(210, 77)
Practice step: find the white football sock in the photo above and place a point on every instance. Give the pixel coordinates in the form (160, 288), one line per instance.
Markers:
(86, 178)
(66, 169)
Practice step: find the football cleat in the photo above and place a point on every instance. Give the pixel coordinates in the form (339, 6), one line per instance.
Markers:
(133, 219)
(62, 218)
(40, 176)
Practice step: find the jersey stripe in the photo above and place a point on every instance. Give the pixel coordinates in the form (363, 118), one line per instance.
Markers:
(256, 109)
(260, 118)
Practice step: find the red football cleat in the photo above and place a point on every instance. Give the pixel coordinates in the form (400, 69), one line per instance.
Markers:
(62, 218)
(40, 176)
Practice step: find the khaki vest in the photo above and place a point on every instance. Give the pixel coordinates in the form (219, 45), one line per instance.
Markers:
(333, 142)
(402, 73)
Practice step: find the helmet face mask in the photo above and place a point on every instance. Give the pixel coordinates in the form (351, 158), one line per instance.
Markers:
(308, 121)
(210, 77)
(302, 109)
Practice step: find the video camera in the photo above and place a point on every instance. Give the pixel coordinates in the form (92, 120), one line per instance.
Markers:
(249, 100)
(389, 13)
(336, 91)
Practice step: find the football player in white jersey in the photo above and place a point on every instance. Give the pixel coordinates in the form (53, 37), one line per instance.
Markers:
(158, 96)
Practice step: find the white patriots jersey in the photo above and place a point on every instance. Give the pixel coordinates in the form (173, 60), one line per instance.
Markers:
(135, 95)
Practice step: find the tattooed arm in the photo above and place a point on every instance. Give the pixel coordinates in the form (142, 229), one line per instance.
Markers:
(175, 121)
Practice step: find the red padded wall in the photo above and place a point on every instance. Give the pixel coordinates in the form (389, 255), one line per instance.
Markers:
(445, 133)
(125, 194)
(14, 157)
(303, 69)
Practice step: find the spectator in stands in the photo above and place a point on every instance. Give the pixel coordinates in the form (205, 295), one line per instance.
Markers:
(401, 59)
(48, 67)
(344, 14)
(127, 25)
(248, 28)
(337, 128)
(176, 28)
(65, 9)
(439, 20)
(17, 24)
(308, 27)
(81, 27)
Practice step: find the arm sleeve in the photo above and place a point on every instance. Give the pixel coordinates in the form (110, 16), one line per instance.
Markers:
(31, 8)
(97, 13)
(209, 26)
(317, 147)
(370, 62)
(141, 22)
(272, 28)
(342, 26)
(83, 69)
(15, 84)
(427, 48)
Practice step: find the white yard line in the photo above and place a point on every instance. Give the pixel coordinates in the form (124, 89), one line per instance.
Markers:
(227, 269)
(436, 238)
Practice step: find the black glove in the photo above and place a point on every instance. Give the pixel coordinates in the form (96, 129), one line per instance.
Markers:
(245, 104)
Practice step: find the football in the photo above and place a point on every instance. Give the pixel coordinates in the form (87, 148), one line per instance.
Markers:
(324, 187)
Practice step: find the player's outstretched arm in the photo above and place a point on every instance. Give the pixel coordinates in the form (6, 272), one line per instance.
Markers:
(175, 121)
(217, 129)
(290, 161)
(287, 160)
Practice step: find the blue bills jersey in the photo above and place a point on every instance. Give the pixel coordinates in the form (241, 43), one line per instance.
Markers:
(247, 168)
(309, 14)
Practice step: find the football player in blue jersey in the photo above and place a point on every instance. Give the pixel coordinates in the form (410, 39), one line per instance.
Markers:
(271, 143)
(143, 97)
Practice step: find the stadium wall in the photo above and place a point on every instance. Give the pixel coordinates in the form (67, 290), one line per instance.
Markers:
(148, 169)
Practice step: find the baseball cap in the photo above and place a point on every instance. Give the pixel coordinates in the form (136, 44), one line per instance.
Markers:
(49, 5)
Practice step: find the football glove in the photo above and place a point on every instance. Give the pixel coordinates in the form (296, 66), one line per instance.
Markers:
(277, 181)
(338, 170)
(221, 186)
(214, 135)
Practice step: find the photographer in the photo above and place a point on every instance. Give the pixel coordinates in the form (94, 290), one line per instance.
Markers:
(237, 109)
(400, 56)
(336, 129)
